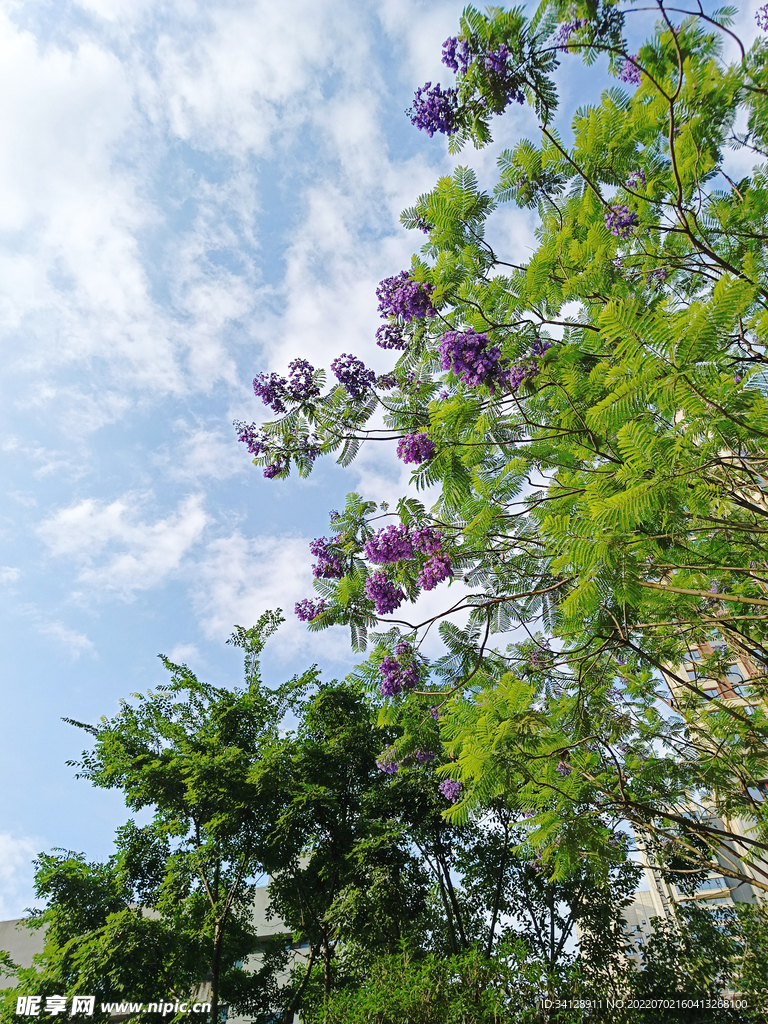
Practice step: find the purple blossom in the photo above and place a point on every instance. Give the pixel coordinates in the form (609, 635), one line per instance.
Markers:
(271, 389)
(435, 713)
(398, 675)
(629, 71)
(416, 448)
(563, 768)
(657, 276)
(330, 564)
(401, 296)
(252, 435)
(391, 336)
(620, 220)
(434, 110)
(636, 179)
(422, 757)
(274, 469)
(496, 61)
(385, 595)
(391, 683)
(761, 17)
(386, 381)
(566, 31)
(451, 789)
(427, 540)
(351, 372)
(456, 55)
(307, 610)
(275, 390)
(385, 762)
(470, 357)
(392, 544)
(434, 571)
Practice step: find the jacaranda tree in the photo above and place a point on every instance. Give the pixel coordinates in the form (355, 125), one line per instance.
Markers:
(593, 416)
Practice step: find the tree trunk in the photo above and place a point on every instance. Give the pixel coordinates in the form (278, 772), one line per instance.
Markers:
(218, 935)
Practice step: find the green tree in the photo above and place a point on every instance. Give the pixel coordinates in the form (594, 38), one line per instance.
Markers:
(594, 418)
(173, 906)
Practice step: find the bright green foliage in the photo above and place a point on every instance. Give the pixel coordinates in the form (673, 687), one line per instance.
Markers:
(605, 485)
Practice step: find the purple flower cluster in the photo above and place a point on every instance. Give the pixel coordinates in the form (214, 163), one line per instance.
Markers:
(274, 469)
(657, 276)
(416, 448)
(636, 179)
(307, 610)
(761, 17)
(434, 109)
(451, 789)
(385, 595)
(427, 540)
(434, 713)
(275, 390)
(566, 31)
(620, 220)
(392, 544)
(401, 296)
(422, 757)
(398, 675)
(329, 563)
(456, 55)
(563, 768)
(385, 762)
(386, 381)
(252, 435)
(530, 367)
(434, 571)
(391, 336)
(629, 71)
(351, 372)
(470, 357)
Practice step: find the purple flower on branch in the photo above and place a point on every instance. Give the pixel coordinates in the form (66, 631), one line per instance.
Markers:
(385, 595)
(398, 675)
(456, 55)
(629, 71)
(392, 544)
(251, 435)
(470, 357)
(271, 389)
(434, 110)
(351, 372)
(391, 336)
(422, 757)
(307, 610)
(636, 179)
(620, 220)
(451, 789)
(401, 296)
(329, 563)
(416, 448)
(566, 31)
(435, 570)
(761, 17)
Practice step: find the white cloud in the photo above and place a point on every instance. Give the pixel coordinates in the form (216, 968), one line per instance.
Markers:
(9, 574)
(202, 453)
(16, 873)
(239, 578)
(147, 553)
(184, 654)
(73, 643)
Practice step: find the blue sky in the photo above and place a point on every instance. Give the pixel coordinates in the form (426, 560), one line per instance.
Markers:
(190, 193)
